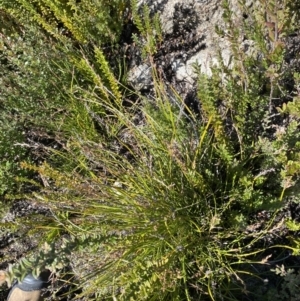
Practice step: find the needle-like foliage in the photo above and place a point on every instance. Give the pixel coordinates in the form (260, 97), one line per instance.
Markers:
(151, 201)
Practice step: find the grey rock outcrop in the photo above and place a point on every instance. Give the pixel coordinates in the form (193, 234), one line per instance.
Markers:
(189, 39)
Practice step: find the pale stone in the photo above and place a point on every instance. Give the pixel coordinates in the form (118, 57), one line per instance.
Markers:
(140, 76)
(209, 14)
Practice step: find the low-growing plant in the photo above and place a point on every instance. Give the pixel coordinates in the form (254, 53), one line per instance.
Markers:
(154, 204)
(94, 22)
(37, 118)
(288, 289)
(150, 32)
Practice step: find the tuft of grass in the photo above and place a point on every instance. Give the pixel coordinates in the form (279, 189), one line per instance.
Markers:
(168, 213)
(151, 201)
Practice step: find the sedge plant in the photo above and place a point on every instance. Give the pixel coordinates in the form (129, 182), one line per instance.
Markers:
(156, 202)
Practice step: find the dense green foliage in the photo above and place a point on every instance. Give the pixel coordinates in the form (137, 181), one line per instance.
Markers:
(85, 21)
(147, 203)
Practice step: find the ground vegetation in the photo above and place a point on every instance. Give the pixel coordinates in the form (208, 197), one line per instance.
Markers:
(138, 195)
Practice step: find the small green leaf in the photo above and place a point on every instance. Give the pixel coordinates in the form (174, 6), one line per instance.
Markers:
(292, 225)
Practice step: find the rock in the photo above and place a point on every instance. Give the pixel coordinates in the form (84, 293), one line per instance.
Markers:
(140, 77)
(189, 39)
